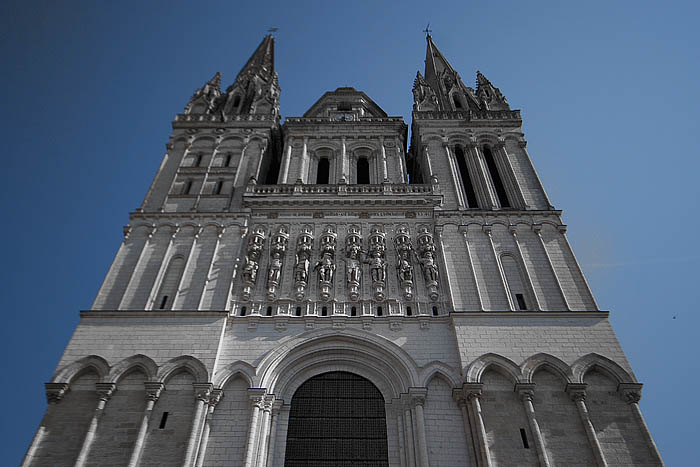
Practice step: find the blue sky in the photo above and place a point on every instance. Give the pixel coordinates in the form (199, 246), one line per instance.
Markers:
(609, 97)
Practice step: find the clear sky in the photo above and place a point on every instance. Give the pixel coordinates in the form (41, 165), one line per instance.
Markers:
(609, 97)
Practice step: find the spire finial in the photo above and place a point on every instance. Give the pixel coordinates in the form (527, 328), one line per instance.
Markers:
(427, 31)
(272, 30)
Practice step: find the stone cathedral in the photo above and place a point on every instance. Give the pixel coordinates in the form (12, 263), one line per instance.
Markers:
(332, 292)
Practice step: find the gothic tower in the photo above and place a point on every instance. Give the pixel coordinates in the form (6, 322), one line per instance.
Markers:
(312, 293)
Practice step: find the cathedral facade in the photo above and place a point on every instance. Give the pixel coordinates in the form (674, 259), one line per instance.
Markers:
(330, 292)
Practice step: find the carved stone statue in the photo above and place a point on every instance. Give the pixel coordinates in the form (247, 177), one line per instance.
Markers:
(353, 262)
(377, 262)
(423, 95)
(326, 265)
(404, 266)
(304, 248)
(256, 243)
(428, 262)
(278, 248)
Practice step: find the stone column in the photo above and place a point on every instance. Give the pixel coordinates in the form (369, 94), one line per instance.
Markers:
(257, 398)
(463, 230)
(265, 430)
(506, 290)
(304, 169)
(537, 228)
(461, 400)
(153, 391)
(202, 392)
(214, 399)
(417, 396)
(402, 161)
(456, 182)
(514, 232)
(408, 433)
(260, 161)
(509, 178)
(632, 394)
(485, 177)
(54, 394)
(271, 445)
(472, 391)
(385, 170)
(428, 164)
(527, 392)
(287, 161)
(577, 391)
(104, 393)
(344, 165)
(400, 435)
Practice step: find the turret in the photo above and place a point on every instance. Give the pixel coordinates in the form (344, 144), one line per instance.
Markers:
(206, 98)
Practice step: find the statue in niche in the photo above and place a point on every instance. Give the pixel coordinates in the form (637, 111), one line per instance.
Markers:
(377, 262)
(353, 262)
(278, 248)
(254, 249)
(326, 265)
(302, 262)
(426, 256)
(404, 266)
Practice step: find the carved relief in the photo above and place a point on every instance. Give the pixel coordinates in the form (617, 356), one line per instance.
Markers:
(353, 262)
(305, 243)
(326, 265)
(404, 264)
(377, 262)
(278, 248)
(428, 262)
(256, 243)
(423, 95)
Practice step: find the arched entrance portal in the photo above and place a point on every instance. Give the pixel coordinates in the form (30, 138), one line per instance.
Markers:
(337, 419)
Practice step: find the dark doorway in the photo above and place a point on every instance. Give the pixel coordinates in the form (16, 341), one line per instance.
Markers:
(337, 419)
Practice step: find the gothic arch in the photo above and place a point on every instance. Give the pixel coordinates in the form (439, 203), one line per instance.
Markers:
(187, 363)
(94, 362)
(437, 368)
(500, 363)
(384, 363)
(238, 368)
(593, 360)
(140, 361)
(543, 360)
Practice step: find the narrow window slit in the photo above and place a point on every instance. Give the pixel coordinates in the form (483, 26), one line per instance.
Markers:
(324, 311)
(297, 312)
(243, 310)
(163, 302)
(435, 311)
(268, 312)
(523, 435)
(409, 312)
(163, 420)
(521, 301)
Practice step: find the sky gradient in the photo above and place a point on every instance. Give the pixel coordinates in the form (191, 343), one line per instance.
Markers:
(608, 93)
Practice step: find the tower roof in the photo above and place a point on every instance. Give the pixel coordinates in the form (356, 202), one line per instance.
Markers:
(436, 67)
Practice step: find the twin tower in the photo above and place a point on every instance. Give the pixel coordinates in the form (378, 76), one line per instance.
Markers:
(328, 292)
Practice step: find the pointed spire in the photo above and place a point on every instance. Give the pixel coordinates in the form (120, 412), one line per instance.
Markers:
(439, 74)
(204, 98)
(255, 90)
(215, 82)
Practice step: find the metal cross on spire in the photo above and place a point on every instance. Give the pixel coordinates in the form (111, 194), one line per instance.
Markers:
(427, 30)
(273, 30)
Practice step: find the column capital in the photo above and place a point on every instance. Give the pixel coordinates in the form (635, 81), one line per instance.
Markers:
(473, 390)
(459, 397)
(537, 228)
(577, 391)
(513, 229)
(526, 391)
(417, 396)
(257, 397)
(215, 397)
(202, 391)
(105, 390)
(55, 392)
(487, 229)
(153, 390)
(630, 392)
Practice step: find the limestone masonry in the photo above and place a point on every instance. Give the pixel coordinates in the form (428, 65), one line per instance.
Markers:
(327, 292)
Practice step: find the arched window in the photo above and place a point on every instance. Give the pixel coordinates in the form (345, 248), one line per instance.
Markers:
(496, 177)
(457, 102)
(362, 171)
(466, 178)
(170, 283)
(236, 102)
(323, 171)
(337, 419)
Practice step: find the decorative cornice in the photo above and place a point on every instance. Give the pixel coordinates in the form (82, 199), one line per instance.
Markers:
(55, 392)
(105, 390)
